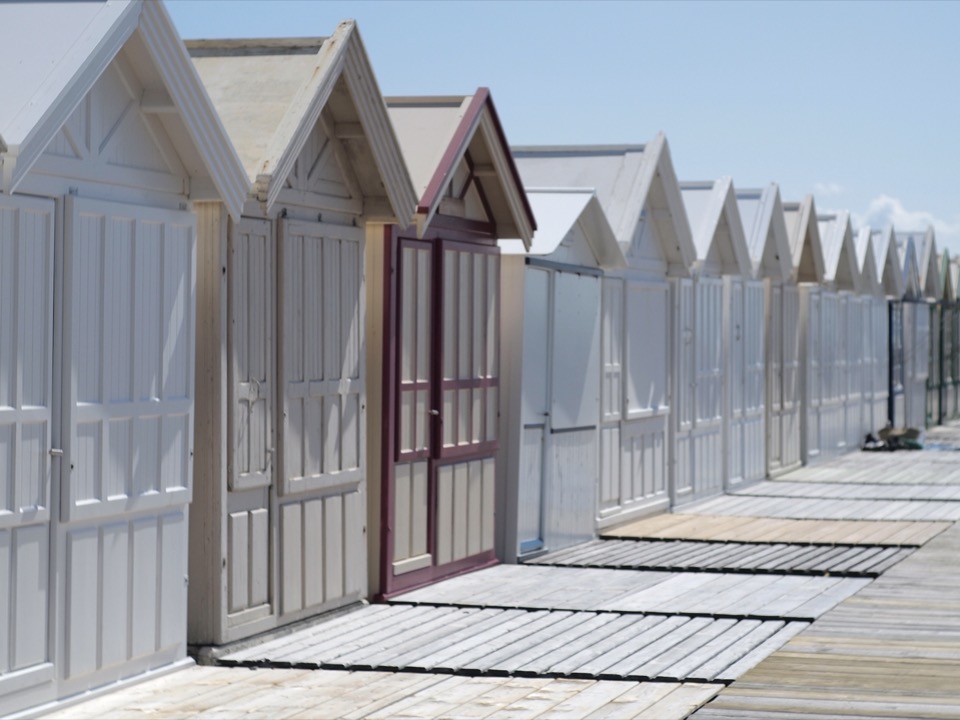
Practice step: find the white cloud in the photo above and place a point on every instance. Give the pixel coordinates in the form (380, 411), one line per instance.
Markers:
(827, 189)
(884, 210)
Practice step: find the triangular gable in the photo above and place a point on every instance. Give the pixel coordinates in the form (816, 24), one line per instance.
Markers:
(924, 260)
(272, 95)
(805, 247)
(907, 251)
(930, 279)
(636, 186)
(456, 150)
(58, 55)
(889, 266)
(563, 214)
(867, 264)
(948, 290)
(717, 229)
(839, 253)
(761, 213)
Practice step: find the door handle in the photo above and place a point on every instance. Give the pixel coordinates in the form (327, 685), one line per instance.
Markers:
(434, 412)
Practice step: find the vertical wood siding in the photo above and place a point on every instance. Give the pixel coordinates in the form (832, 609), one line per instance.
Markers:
(251, 309)
(701, 389)
(26, 397)
(633, 433)
(322, 542)
(746, 443)
(129, 333)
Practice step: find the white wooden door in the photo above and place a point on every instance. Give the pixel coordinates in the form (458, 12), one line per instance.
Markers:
(128, 339)
(250, 338)
(784, 377)
(535, 408)
(684, 390)
(854, 372)
(28, 458)
(813, 376)
(708, 388)
(322, 515)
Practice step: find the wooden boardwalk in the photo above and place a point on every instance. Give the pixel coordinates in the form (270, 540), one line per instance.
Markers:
(215, 692)
(763, 596)
(528, 643)
(730, 557)
(774, 530)
(737, 608)
(892, 651)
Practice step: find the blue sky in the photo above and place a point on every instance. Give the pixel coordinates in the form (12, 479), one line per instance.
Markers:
(855, 102)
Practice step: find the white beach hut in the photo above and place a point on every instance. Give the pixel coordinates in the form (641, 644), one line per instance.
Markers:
(917, 249)
(834, 416)
(718, 340)
(278, 520)
(106, 138)
(778, 411)
(907, 392)
(874, 331)
(637, 188)
(549, 460)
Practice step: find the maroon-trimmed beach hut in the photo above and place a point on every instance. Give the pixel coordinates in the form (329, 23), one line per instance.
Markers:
(433, 347)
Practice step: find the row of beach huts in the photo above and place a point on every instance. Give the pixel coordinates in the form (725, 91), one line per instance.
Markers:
(272, 344)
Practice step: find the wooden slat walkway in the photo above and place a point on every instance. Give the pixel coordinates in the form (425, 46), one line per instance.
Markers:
(815, 508)
(729, 557)
(859, 491)
(332, 694)
(527, 643)
(710, 594)
(687, 526)
(891, 651)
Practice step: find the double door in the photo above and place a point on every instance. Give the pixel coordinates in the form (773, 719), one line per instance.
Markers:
(442, 410)
(96, 413)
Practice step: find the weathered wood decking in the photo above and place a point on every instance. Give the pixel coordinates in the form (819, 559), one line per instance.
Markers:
(730, 557)
(739, 616)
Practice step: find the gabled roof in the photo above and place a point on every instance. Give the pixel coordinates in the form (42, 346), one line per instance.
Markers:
(270, 94)
(761, 212)
(907, 251)
(807, 252)
(634, 183)
(867, 264)
(947, 287)
(928, 271)
(436, 133)
(57, 51)
(840, 266)
(889, 267)
(561, 210)
(717, 229)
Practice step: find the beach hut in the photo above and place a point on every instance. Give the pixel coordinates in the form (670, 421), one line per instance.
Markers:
(909, 340)
(776, 410)
(951, 340)
(433, 346)
(718, 335)
(549, 460)
(806, 279)
(278, 520)
(836, 428)
(106, 138)
(874, 328)
(946, 311)
(637, 188)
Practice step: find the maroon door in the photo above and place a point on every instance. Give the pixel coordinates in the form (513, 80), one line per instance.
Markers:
(442, 385)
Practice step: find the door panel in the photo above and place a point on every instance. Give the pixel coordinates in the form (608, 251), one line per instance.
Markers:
(130, 275)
